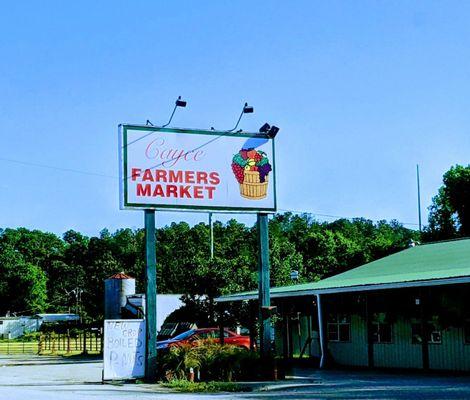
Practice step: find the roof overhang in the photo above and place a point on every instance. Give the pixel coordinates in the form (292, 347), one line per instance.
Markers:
(348, 289)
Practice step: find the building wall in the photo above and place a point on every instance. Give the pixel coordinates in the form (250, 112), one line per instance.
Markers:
(354, 352)
(452, 353)
(16, 327)
(401, 353)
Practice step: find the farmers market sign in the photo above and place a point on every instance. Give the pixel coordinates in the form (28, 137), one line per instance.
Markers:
(182, 169)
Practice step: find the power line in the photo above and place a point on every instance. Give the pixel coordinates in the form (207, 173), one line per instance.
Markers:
(76, 171)
(82, 172)
(335, 216)
(90, 173)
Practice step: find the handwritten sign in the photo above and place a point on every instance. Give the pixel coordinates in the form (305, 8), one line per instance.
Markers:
(124, 349)
(184, 169)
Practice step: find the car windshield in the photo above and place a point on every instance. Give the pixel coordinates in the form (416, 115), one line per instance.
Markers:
(184, 335)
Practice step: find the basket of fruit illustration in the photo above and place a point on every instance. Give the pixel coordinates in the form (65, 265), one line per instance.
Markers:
(251, 169)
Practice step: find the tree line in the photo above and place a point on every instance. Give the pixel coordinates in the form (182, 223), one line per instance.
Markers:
(41, 271)
(44, 272)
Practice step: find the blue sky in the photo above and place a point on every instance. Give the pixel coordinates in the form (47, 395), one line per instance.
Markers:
(362, 92)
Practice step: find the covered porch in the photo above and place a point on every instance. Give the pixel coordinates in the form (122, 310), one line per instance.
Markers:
(407, 310)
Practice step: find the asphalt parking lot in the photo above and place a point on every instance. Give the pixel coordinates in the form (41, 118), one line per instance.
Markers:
(54, 378)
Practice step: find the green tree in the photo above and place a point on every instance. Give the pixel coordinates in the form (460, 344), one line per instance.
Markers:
(23, 284)
(449, 215)
(52, 267)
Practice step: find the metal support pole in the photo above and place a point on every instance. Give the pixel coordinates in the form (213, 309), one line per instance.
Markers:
(150, 297)
(419, 197)
(263, 285)
(85, 351)
(211, 227)
(321, 332)
(221, 327)
(370, 339)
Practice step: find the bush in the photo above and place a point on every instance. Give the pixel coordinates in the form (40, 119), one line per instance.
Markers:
(31, 336)
(211, 362)
(183, 385)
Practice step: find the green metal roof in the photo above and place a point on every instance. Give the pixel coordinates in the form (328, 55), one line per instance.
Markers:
(429, 264)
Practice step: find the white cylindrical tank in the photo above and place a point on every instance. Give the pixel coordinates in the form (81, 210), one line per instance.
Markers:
(116, 290)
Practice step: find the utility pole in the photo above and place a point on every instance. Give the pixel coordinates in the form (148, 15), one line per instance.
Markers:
(419, 196)
(150, 297)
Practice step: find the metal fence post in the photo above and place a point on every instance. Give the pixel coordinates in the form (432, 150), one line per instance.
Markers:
(84, 343)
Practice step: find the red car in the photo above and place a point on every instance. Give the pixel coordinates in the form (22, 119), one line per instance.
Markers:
(194, 335)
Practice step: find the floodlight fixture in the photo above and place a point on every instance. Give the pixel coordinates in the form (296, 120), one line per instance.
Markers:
(246, 110)
(294, 275)
(273, 132)
(265, 128)
(178, 103)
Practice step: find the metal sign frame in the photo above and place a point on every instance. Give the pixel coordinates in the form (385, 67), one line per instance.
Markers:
(124, 176)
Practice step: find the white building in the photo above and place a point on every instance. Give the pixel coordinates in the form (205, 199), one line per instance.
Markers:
(13, 327)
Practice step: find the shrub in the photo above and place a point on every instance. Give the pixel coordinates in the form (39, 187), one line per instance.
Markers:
(182, 385)
(211, 362)
(179, 360)
(31, 336)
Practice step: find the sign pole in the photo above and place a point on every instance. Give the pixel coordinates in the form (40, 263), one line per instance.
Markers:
(150, 297)
(263, 285)
(211, 227)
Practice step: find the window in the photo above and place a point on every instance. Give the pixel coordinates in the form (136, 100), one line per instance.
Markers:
(205, 335)
(381, 332)
(339, 328)
(434, 334)
(216, 334)
(211, 334)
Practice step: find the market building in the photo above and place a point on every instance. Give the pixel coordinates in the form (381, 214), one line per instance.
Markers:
(407, 310)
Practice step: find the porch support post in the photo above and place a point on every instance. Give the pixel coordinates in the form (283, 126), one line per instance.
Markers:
(370, 341)
(321, 331)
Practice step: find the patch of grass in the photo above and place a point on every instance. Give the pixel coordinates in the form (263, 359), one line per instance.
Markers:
(182, 385)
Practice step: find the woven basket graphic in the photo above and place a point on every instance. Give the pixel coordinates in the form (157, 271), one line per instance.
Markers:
(252, 188)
